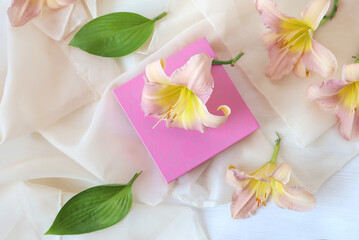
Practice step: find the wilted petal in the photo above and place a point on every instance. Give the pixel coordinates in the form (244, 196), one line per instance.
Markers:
(292, 198)
(235, 177)
(244, 201)
(351, 72)
(299, 69)
(326, 93)
(314, 12)
(159, 98)
(271, 16)
(348, 123)
(196, 75)
(282, 62)
(21, 11)
(155, 72)
(282, 173)
(319, 59)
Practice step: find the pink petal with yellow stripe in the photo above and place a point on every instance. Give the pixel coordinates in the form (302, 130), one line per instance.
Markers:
(271, 16)
(326, 93)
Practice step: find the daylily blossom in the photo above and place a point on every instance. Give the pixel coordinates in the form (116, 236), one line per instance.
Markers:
(253, 190)
(290, 43)
(21, 11)
(181, 98)
(342, 96)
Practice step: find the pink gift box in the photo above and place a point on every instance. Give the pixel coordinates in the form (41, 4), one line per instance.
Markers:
(176, 151)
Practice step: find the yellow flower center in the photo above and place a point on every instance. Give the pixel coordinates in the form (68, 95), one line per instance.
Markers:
(185, 100)
(349, 96)
(295, 35)
(263, 190)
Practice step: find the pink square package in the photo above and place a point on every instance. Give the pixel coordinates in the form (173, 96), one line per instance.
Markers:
(176, 151)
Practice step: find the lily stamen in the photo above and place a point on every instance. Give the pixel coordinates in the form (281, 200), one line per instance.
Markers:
(163, 117)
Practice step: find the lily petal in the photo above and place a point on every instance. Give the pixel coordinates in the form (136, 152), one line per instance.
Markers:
(282, 62)
(195, 115)
(351, 72)
(196, 75)
(159, 98)
(21, 11)
(236, 177)
(210, 120)
(282, 173)
(314, 12)
(269, 39)
(244, 202)
(271, 16)
(299, 69)
(292, 198)
(55, 4)
(348, 123)
(264, 171)
(319, 59)
(155, 72)
(326, 93)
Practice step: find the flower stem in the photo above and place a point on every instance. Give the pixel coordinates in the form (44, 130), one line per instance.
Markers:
(232, 61)
(356, 59)
(331, 14)
(276, 149)
(159, 16)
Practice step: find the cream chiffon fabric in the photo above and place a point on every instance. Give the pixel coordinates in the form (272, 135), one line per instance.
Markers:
(62, 130)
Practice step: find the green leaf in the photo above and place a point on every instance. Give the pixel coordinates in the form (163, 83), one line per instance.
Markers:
(115, 34)
(94, 209)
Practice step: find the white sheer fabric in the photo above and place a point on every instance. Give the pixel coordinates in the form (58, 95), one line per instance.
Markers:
(63, 131)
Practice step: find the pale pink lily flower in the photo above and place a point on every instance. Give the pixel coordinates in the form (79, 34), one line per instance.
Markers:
(290, 43)
(22, 11)
(180, 99)
(253, 190)
(342, 96)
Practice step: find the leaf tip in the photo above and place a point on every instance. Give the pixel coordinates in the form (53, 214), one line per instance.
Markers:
(52, 230)
(134, 178)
